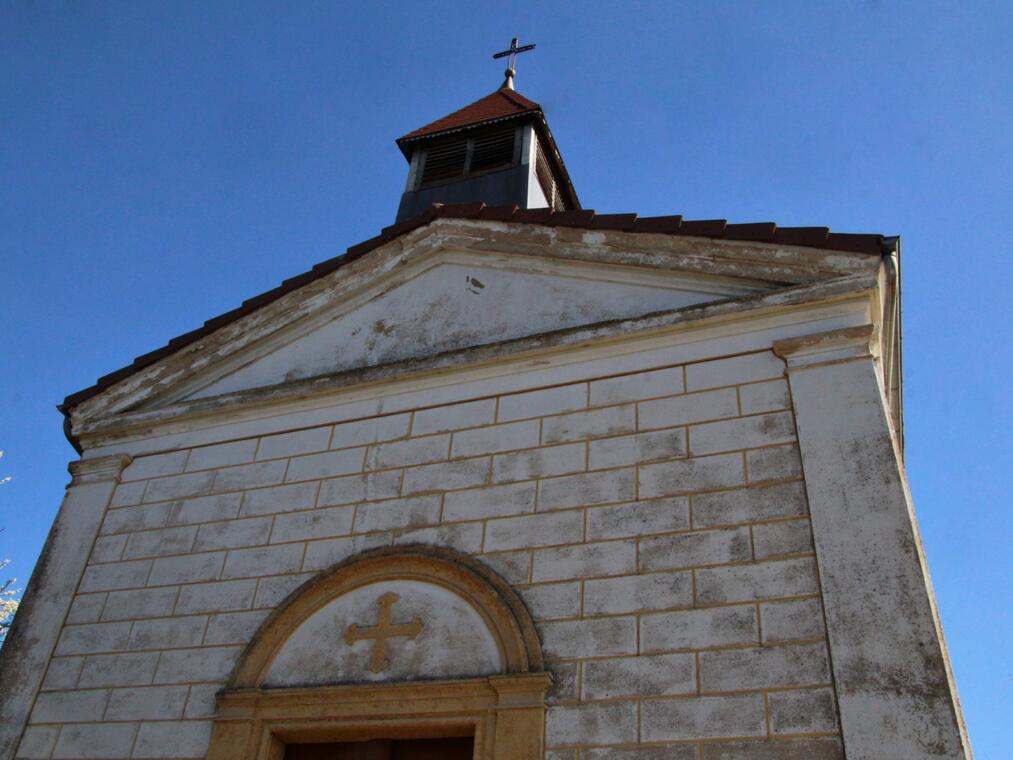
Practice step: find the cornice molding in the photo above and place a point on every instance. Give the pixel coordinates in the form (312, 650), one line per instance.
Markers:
(97, 470)
(690, 324)
(829, 347)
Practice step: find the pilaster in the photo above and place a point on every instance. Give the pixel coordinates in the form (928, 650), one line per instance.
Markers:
(51, 590)
(895, 691)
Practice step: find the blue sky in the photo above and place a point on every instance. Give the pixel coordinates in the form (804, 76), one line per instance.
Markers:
(160, 162)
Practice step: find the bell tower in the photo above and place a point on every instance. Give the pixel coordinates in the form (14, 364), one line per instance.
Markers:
(498, 150)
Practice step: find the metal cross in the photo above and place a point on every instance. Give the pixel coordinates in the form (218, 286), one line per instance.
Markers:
(512, 52)
(382, 631)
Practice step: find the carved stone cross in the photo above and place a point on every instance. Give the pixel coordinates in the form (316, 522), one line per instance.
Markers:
(382, 631)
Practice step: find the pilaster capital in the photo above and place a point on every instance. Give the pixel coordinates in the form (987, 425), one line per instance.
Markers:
(97, 470)
(829, 347)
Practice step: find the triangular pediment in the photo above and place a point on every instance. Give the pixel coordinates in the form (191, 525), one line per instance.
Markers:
(453, 301)
(447, 292)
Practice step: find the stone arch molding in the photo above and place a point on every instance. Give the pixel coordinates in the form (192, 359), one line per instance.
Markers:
(447, 616)
(398, 642)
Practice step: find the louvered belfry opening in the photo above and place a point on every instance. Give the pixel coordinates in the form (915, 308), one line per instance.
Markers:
(547, 181)
(462, 156)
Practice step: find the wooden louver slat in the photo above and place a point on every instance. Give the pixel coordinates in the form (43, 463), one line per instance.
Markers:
(445, 161)
(493, 150)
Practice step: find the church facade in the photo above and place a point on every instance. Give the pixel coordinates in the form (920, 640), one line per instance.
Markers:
(510, 480)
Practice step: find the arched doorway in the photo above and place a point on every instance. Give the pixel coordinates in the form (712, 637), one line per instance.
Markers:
(390, 655)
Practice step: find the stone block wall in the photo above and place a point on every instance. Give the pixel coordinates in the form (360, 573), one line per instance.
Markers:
(655, 524)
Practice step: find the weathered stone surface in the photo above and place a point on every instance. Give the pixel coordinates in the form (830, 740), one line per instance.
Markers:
(584, 490)
(263, 560)
(539, 463)
(682, 410)
(798, 749)
(190, 665)
(167, 633)
(659, 382)
(634, 676)
(789, 665)
(773, 463)
(70, 706)
(781, 539)
(115, 575)
(187, 738)
(688, 475)
(95, 740)
(637, 593)
(205, 509)
(246, 476)
(318, 523)
(702, 717)
(373, 430)
(564, 398)
(154, 703)
(321, 554)
(639, 518)
(534, 530)
(327, 464)
(584, 561)
(653, 752)
(216, 597)
(490, 440)
(787, 621)
(495, 501)
(634, 449)
(140, 603)
(698, 629)
(741, 433)
(294, 444)
(767, 580)
(144, 468)
(411, 512)
(610, 723)
(179, 486)
(749, 505)
(156, 543)
(446, 476)
(764, 397)
(371, 486)
(221, 455)
(700, 548)
(807, 711)
(442, 419)
(737, 369)
(600, 637)
(234, 534)
(381, 456)
(596, 423)
(135, 669)
(552, 600)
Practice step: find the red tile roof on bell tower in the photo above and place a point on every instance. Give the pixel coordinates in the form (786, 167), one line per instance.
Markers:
(502, 104)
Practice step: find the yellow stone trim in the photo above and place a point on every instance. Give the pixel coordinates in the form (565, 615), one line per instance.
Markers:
(505, 713)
